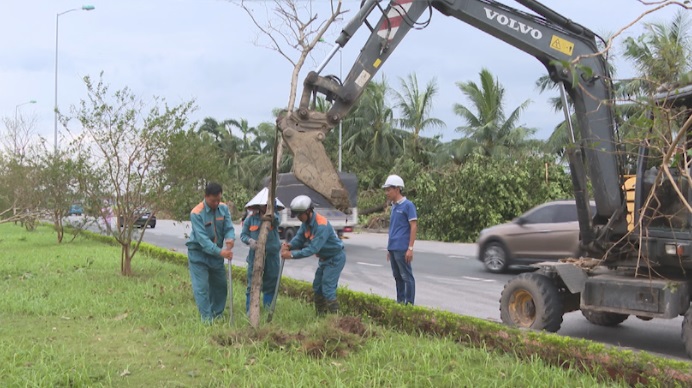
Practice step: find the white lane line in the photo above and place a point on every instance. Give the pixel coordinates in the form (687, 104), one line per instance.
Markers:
(460, 257)
(370, 264)
(478, 279)
(446, 280)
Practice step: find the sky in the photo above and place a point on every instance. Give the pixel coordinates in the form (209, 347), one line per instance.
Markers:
(210, 51)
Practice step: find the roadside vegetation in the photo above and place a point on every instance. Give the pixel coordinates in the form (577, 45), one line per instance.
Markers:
(69, 319)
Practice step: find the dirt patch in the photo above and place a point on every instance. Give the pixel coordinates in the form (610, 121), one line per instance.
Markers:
(335, 337)
(353, 325)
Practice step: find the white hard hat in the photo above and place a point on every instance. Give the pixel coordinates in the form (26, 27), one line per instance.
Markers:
(300, 204)
(393, 181)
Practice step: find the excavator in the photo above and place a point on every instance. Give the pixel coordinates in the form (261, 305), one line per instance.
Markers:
(642, 270)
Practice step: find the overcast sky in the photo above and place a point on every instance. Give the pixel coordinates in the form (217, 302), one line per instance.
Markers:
(205, 50)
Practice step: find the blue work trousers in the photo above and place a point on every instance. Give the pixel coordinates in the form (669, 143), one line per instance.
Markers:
(327, 275)
(403, 277)
(209, 284)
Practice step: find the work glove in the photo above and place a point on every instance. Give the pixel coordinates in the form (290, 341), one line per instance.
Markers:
(267, 217)
(252, 243)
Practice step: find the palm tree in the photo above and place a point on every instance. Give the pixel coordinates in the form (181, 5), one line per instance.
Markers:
(489, 131)
(246, 130)
(212, 127)
(661, 55)
(415, 106)
(369, 130)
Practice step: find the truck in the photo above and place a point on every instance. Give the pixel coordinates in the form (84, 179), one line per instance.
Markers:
(644, 272)
(289, 187)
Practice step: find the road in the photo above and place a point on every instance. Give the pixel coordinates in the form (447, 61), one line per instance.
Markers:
(448, 277)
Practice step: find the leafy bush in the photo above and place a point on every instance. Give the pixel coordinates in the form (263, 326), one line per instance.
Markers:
(456, 202)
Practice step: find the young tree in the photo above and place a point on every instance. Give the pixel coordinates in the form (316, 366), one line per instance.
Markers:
(19, 201)
(18, 135)
(61, 177)
(127, 140)
(294, 36)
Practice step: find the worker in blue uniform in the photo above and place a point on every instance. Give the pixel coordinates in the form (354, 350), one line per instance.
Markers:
(250, 234)
(211, 228)
(316, 236)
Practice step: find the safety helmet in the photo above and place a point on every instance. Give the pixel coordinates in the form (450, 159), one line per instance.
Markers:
(300, 205)
(393, 181)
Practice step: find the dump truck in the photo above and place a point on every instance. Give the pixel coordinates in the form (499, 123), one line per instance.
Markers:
(289, 187)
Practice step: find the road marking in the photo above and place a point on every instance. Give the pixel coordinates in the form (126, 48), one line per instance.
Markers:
(478, 279)
(460, 257)
(446, 279)
(370, 264)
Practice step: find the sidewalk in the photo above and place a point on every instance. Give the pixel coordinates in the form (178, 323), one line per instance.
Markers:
(378, 240)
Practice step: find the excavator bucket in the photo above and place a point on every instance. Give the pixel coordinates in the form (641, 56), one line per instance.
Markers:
(311, 165)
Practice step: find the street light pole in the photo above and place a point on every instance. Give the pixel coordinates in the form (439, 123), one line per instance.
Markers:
(55, 107)
(16, 109)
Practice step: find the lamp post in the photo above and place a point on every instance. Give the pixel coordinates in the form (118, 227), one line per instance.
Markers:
(57, 23)
(16, 108)
(341, 79)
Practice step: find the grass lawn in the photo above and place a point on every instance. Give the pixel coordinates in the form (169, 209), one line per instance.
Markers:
(68, 318)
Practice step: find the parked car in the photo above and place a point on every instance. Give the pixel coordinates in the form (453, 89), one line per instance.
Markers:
(75, 210)
(547, 232)
(144, 219)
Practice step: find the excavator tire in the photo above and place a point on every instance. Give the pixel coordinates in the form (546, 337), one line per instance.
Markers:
(687, 332)
(601, 318)
(532, 301)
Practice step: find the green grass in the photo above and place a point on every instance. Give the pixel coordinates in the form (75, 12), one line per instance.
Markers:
(69, 319)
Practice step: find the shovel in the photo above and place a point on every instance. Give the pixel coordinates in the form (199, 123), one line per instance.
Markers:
(276, 292)
(230, 291)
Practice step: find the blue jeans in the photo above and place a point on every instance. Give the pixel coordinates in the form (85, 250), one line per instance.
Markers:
(327, 276)
(209, 284)
(403, 276)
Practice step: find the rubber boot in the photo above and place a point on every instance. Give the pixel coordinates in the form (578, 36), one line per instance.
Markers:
(267, 300)
(320, 305)
(332, 306)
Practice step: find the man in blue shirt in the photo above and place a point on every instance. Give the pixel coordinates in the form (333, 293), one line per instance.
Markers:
(211, 227)
(316, 236)
(403, 225)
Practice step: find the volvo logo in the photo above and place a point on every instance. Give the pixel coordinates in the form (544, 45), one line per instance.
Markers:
(513, 24)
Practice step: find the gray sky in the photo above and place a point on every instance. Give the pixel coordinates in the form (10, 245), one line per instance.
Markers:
(205, 49)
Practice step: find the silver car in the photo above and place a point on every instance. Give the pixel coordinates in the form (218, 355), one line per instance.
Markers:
(547, 232)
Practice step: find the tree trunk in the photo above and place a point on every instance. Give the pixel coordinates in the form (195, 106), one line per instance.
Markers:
(126, 261)
(258, 267)
(257, 274)
(59, 230)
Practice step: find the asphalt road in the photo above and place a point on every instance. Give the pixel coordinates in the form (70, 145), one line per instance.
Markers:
(448, 277)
